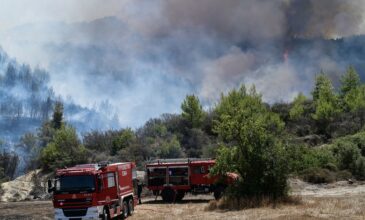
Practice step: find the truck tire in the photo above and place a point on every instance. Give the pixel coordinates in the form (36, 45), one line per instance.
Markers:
(156, 192)
(168, 195)
(179, 195)
(130, 206)
(125, 210)
(105, 214)
(218, 192)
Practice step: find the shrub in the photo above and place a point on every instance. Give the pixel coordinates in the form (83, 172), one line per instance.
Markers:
(226, 203)
(346, 153)
(331, 167)
(343, 175)
(359, 171)
(318, 175)
(301, 158)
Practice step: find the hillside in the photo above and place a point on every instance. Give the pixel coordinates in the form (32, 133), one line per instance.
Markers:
(27, 100)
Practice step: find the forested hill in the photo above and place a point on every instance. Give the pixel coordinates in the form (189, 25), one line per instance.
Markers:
(27, 99)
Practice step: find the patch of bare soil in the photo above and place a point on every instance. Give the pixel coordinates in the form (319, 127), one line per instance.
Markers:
(30, 210)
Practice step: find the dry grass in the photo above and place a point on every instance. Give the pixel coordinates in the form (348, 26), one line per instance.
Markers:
(194, 208)
(256, 202)
(305, 208)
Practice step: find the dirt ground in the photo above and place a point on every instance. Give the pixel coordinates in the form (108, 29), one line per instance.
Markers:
(332, 201)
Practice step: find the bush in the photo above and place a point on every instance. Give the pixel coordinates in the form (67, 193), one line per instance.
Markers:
(253, 146)
(346, 153)
(343, 175)
(331, 167)
(318, 175)
(359, 171)
(226, 203)
(301, 158)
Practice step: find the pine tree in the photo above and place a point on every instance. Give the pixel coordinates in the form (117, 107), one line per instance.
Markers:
(57, 119)
(298, 108)
(352, 93)
(192, 111)
(325, 99)
(349, 81)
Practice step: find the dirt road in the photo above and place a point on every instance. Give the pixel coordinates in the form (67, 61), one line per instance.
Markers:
(338, 201)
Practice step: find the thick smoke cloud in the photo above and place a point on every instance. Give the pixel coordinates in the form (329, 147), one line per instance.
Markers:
(325, 18)
(147, 55)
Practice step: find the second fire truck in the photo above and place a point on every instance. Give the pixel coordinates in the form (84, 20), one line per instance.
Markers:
(173, 178)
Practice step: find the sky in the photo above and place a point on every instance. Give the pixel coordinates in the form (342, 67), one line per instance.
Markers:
(145, 56)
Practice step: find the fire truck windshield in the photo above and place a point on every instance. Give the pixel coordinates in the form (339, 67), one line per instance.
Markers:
(84, 183)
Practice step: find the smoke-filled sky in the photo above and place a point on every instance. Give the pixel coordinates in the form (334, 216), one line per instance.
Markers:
(144, 56)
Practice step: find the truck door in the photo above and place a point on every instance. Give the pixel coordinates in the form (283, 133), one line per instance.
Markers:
(199, 174)
(109, 188)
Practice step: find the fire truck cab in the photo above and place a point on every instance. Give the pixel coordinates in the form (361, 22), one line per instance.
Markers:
(94, 191)
(173, 178)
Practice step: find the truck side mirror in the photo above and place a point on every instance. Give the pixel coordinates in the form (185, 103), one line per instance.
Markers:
(50, 188)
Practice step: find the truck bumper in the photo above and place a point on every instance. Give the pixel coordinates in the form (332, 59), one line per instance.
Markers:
(91, 214)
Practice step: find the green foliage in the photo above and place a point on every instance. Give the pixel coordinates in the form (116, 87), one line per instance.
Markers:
(64, 150)
(258, 154)
(57, 120)
(29, 144)
(354, 99)
(349, 81)
(346, 154)
(352, 92)
(226, 155)
(359, 170)
(170, 149)
(325, 99)
(321, 81)
(192, 111)
(301, 158)
(124, 140)
(297, 110)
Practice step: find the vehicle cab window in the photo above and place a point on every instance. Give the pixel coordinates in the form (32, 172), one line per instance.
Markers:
(199, 170)
(111, 180)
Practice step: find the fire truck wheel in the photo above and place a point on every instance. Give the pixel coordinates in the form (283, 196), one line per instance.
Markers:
(130, 206)
(105, 215)
(125, 209)
(180, 195)
(156, 192)
(218, 192)
(168, 195)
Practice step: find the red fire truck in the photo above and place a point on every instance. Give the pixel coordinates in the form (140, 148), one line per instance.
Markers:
(94, 191)
(173, 178)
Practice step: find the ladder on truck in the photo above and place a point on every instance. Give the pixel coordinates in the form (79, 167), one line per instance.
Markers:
(179, 160)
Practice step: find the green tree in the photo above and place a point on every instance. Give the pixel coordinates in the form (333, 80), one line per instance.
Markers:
(320, 80)
(253, 146)
(352, 93)
(64, 150)
(298, 107)
(325, 99)
(349, 81)
(192, 111)
(57, 119)
(170, 149)
(124, 140)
